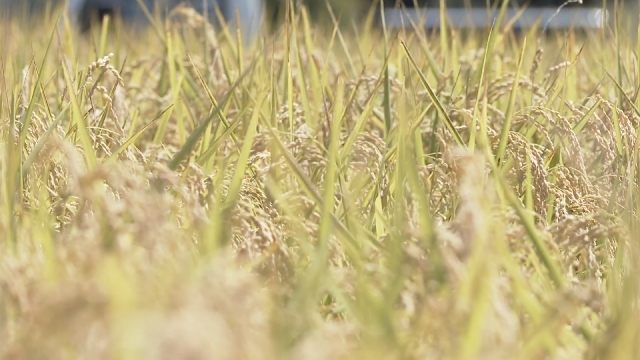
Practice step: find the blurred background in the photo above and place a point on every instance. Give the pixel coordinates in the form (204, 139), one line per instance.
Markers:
(356, 8)
(461, 13)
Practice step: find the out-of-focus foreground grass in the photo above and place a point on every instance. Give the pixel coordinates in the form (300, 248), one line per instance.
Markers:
(344, 195)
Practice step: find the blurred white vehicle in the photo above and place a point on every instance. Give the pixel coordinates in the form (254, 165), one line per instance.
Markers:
(549, 14)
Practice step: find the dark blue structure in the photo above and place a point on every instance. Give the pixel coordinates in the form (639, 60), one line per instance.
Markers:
(244, 14)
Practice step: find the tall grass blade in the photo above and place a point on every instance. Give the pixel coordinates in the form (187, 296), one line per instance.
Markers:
(80, 123)
(506, 128)
(441, 110)
(196, 135)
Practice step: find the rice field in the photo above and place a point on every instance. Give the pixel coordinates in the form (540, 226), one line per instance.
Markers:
(322, 193)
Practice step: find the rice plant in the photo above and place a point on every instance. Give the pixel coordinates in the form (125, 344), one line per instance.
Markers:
(359, 193)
